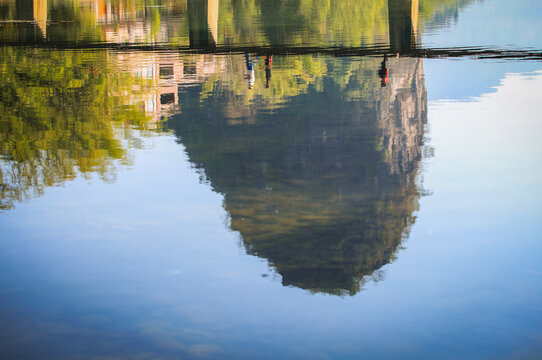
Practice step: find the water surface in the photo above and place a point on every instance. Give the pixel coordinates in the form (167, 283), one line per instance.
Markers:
(256, 179)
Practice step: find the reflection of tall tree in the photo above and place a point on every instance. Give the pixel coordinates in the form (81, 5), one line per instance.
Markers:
(324, 186)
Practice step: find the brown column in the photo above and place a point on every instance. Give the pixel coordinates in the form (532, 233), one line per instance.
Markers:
(202, 23)
(403, 22)
(32, 10)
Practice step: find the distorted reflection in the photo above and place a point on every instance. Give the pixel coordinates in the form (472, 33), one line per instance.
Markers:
(317, 160)
(318, 167)
(235, 179)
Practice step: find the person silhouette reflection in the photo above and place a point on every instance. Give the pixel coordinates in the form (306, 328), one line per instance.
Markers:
(384, 73)
(268, 64)
(251, 76)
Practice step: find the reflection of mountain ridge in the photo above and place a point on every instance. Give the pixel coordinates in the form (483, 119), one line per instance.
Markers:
(400, 116)
(323, 186)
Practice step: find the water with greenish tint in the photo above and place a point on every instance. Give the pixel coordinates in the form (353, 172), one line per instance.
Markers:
(270, 179)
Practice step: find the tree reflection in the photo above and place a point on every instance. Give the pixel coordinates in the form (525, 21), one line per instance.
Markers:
(58, 111)
(209, 23)
(323, 184)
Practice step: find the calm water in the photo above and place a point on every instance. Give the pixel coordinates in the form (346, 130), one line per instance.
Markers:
(250, 179)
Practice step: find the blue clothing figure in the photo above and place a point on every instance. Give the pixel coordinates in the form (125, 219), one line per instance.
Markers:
(251, 76)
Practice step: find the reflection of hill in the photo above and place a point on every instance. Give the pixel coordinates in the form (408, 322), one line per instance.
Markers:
(324, 185)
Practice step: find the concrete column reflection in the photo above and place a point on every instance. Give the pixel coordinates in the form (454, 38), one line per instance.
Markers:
(203, 23)
(403, 23)
(33, 10)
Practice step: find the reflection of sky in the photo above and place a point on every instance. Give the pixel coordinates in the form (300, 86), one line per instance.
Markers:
(492, 23)
(147, 264)
(464, 79)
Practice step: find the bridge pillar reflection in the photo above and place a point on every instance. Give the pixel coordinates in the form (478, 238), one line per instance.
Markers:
(403, 23)
(202, 23)
(33, 10)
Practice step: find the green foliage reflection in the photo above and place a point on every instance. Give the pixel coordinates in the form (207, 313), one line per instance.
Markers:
(319, 23)
(58, 111)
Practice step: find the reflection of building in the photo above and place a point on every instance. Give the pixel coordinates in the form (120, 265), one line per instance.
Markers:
(125, 22)
(124, 11)
(160, 76)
